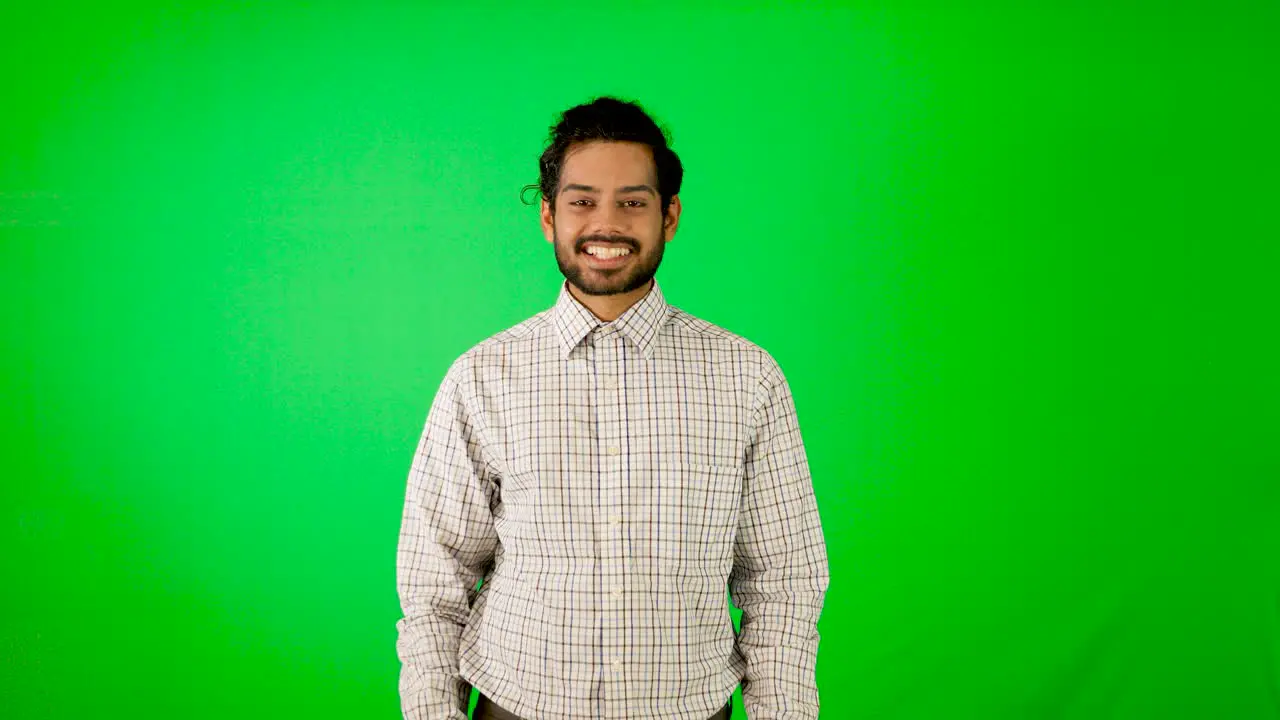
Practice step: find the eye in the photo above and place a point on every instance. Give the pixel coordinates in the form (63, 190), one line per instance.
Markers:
(580, 202)
(635, 203)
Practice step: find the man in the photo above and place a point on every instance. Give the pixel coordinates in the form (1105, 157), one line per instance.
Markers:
(606, 467)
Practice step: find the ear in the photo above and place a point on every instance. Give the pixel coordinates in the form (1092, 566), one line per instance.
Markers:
(547, 221)
(672, 220)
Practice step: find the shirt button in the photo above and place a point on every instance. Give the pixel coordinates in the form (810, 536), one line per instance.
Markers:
(613, 450)
(615, 519)
(617, 591)
(610, 383)
(617, 664)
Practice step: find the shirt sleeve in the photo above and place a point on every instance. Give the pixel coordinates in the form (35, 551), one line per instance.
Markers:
(780, 573)
(447, 540)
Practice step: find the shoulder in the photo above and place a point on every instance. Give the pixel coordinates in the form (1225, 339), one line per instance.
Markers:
(496, 350)
(753, 360)
(760, 375)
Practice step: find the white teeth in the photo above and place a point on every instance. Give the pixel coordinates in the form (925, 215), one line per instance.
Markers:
(607, 252)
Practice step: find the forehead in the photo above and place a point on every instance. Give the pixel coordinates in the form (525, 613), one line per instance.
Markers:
(608, 164)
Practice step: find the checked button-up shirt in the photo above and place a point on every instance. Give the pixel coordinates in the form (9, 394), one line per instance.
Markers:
(608, 482)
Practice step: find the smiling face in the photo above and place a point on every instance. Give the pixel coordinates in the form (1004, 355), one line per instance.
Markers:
(607, 203)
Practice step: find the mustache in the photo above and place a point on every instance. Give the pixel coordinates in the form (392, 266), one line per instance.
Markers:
(628, 241)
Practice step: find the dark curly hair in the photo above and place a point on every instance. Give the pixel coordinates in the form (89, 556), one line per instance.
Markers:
(612, 119)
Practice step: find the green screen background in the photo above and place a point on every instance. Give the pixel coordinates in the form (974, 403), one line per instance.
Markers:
(1017, 261)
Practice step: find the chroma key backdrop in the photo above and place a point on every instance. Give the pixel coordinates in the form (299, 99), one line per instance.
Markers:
(1017, 260)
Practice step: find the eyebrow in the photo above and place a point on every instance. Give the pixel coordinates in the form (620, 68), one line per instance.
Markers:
(623, 189)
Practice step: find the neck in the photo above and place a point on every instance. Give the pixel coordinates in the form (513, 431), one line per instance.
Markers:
(609, 307)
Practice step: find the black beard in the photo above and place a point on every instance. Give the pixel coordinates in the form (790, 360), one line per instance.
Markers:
(591, 282)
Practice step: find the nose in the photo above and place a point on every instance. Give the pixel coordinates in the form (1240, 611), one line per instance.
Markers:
(610, 218)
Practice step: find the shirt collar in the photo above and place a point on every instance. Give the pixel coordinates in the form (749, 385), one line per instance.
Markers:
(640, 322)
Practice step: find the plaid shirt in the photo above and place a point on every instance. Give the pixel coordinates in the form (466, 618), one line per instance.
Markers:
(606, 481)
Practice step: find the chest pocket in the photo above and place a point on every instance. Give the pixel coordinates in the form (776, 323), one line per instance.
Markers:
(693, 519)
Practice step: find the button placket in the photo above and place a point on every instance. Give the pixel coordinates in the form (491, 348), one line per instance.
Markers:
(612, 465)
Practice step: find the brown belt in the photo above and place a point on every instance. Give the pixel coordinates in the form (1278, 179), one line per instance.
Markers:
(487, 709)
